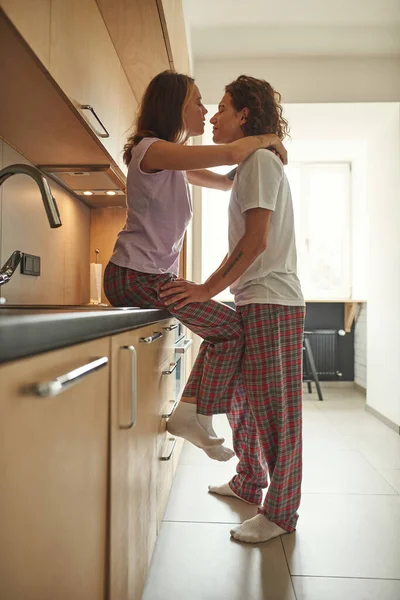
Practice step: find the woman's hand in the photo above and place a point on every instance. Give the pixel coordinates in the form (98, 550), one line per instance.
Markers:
(272, 142)
(183, 292)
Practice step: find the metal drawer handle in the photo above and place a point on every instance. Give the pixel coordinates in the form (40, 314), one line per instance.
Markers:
(132, 423)
(169, 412)
(151, 338)
(172, 367)
(64, 382)
(166, 456)
(181, 347)
(171, 327)
(88, 107)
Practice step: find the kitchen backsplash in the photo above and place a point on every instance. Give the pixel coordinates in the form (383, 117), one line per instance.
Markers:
(64, 252)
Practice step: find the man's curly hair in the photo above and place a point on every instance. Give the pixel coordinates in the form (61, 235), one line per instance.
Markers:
(263, 102)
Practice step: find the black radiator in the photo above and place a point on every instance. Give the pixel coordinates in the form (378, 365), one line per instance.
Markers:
(324, 348)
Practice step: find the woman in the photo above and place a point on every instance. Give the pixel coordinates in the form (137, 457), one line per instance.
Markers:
(146, 253)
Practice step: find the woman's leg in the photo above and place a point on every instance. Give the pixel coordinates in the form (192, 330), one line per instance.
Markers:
(212, 381)
(272, 371)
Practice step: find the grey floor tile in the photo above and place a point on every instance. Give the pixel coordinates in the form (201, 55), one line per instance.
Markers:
(341, 472)
(347, 545)
(392, 476)
(189, 499)
(381, 450)
(346, 536)
(326, 588)
(355, 421)
(199, 561)
(320, 435)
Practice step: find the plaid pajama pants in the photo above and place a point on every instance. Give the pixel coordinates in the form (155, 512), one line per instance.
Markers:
(266, 417)
(215, 373)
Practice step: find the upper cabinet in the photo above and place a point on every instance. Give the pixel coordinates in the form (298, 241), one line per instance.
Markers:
(84, 63)
(135, 28)
(127, 115)
(32, 19)
(173, 24)
(73, 72)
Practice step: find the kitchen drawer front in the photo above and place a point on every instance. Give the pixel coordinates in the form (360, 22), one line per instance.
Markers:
(161, 338)
(166, 401)
(166, 443)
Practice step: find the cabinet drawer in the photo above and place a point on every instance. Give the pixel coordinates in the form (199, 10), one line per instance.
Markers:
(165, 393)
(161, 337)
(165, 473)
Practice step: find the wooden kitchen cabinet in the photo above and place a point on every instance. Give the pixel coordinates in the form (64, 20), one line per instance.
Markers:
(173, 23)
(32, 19)
(140, 480)
(127, 117)
(133, 459)
(54, 477)
(84, 63)
(137, 34)
(167, 448)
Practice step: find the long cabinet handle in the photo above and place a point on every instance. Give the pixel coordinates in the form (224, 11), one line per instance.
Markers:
(171, 327)
(167, 413)
(182, 347)
(168, 455)
(151, 338)
(132, 422)
(55, 387)
(88, 107)
(172, 367)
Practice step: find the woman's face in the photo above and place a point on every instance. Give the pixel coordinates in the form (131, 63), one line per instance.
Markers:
(194, 114)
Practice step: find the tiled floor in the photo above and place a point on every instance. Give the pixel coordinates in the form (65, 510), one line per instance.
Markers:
(347, 543)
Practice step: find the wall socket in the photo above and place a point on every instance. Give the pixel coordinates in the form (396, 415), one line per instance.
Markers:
(30, 264)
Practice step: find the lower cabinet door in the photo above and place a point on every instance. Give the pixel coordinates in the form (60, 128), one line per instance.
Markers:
(53, 472)
(133, 461)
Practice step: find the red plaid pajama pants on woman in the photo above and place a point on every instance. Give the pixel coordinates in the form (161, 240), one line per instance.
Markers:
(266, 417)
(215, 373)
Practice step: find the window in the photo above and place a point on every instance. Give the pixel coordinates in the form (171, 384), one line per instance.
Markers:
(321, 201)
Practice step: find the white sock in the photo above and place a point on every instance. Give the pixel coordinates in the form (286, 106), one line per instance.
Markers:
(205, 420)
(184, 423)
(221, 453)
(225, 490)
(257, 529)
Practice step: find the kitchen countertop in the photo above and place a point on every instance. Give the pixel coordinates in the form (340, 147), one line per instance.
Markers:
(25, 331)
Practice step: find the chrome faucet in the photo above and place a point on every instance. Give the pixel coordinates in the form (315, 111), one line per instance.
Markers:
(50, 206)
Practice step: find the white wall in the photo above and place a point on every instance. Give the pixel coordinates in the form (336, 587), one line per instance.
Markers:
(304, 79)
(64, 251)
(383, 316)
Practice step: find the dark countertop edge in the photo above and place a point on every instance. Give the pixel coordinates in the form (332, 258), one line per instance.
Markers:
(28, 335)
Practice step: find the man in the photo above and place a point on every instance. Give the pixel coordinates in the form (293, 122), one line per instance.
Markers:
(261, 272)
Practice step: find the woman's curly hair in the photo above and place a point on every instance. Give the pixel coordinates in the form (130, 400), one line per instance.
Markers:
(263, 102)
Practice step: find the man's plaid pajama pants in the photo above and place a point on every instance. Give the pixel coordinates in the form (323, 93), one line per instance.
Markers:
(266, 418)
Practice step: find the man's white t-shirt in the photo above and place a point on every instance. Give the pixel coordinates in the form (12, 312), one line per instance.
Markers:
(260, 182)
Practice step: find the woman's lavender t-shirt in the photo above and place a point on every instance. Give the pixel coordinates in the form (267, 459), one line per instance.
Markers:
(159, 210)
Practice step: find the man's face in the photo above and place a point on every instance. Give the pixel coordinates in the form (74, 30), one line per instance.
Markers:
(227, 123)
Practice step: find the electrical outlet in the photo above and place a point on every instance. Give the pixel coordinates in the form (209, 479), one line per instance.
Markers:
(30, 264)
